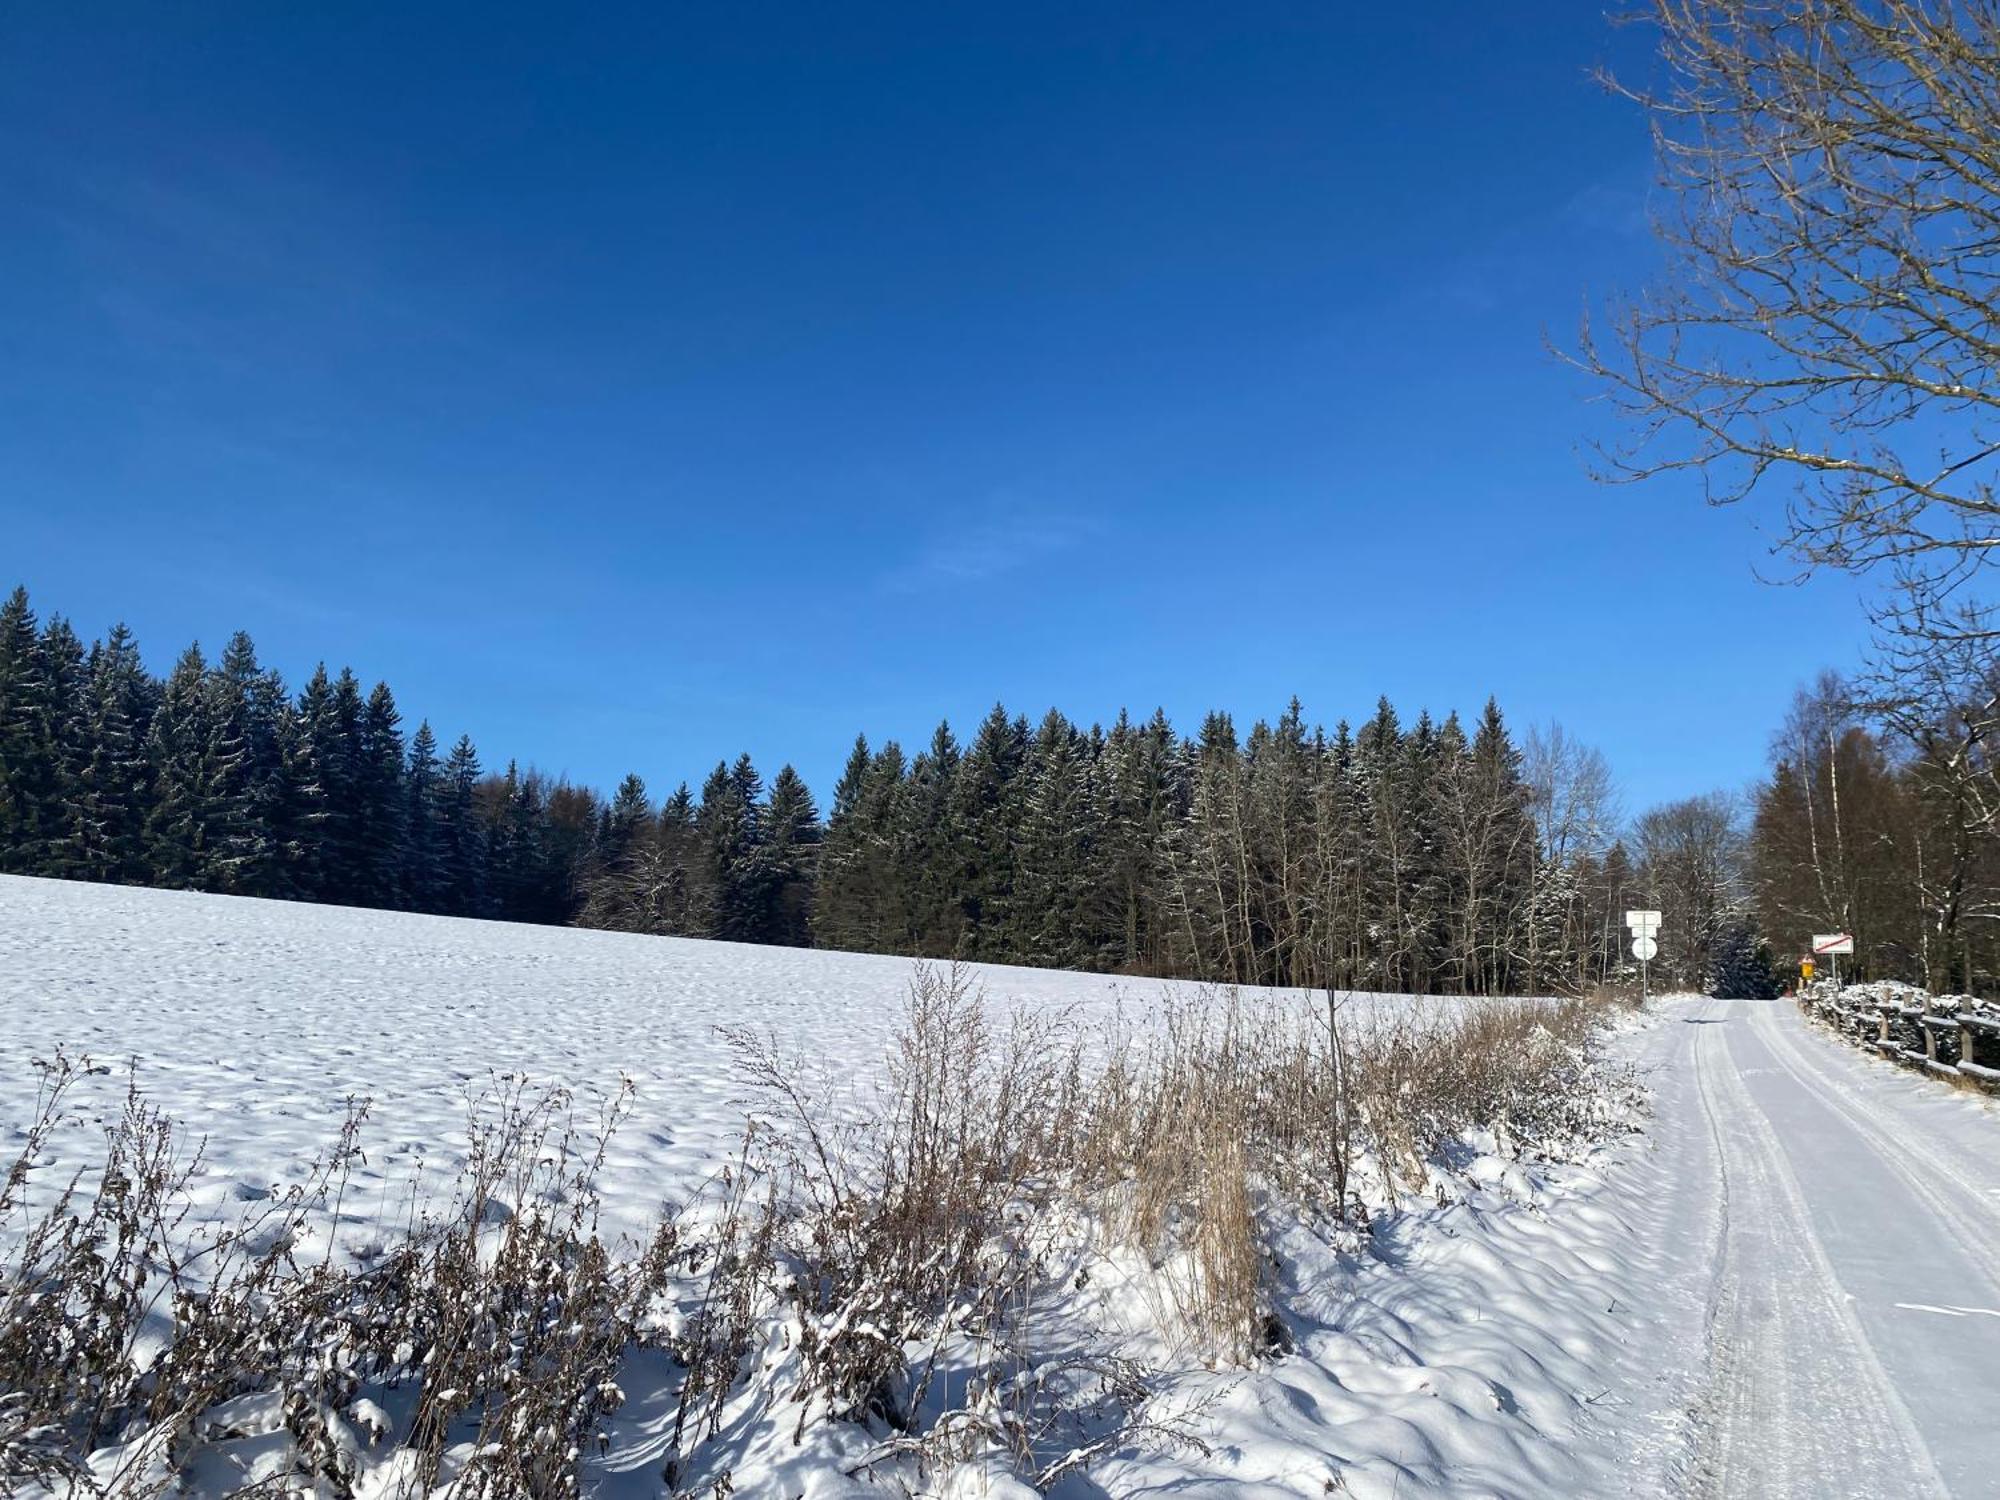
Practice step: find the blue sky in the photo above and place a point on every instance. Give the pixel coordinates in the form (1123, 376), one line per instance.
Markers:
(632, 386)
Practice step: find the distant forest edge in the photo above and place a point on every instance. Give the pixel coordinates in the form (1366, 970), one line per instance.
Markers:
(1417, 857)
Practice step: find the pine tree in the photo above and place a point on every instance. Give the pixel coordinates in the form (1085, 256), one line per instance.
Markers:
(1056, 845)
(514, 843)
(927, 842)
(27, 769)
(1133, 793)
(571, 816)
(837, 916)
(1508, 855)
(1281, 786)
(727, 821)
(462, 835)
(1743, 966)
(326, 778)
(114, 783)
(791, 835)
(422, 879)
(1211, 881)
(987, 810)
(188, 778)
(381, 802)
(627, 819)
(682, 896)
(249, 810)
(64, 749)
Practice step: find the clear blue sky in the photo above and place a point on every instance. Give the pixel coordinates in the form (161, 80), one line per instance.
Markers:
(631, 386)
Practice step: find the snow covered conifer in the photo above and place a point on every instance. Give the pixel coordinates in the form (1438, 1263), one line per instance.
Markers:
(462, 834)
(1743, 966)
(381, 807)
(114, 782)
(62, 749)
(27, 773)
(791, 842)
(181, 746)
(422, 880)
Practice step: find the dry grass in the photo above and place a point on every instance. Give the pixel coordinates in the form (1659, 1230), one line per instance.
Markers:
(493, 1331)
(896, 1265)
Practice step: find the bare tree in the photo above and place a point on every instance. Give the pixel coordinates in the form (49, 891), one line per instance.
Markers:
(1574, 806)
(1830, 317)
(1571, 792)
(1691, 858)
(1939, 693)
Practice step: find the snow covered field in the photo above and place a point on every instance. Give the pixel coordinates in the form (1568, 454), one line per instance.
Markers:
(253, 1022)
(1788, 1287)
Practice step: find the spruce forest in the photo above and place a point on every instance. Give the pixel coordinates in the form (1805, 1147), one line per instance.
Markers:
(1417, 856)
(1403, 856)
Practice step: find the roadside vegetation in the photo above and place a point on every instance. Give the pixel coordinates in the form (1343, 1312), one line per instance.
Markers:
(993, 1258)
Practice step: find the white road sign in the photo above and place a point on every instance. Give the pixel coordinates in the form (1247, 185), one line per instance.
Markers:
(1645, 949)
(1643, 922)
(1833, 942)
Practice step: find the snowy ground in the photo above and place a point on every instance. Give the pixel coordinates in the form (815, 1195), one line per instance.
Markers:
(253, 1022)
(1787, 1288)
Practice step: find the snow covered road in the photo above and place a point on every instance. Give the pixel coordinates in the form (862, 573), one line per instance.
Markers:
(1844, 1234)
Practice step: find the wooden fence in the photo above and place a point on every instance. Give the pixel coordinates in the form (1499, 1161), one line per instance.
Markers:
(1913, 1029)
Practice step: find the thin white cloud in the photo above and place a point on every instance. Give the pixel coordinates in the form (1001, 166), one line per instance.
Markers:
(991, 545)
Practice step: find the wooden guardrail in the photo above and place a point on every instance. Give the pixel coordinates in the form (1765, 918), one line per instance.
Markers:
(1912, 1027)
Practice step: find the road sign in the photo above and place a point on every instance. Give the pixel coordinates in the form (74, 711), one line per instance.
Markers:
(1833, 942)
(1643, 923)
(1645, 949)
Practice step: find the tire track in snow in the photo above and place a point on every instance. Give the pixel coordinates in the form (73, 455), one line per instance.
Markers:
(1797, 1403)
(1972, 1221)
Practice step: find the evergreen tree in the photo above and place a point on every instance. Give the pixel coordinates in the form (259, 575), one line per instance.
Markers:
(838, 907)
(28, 773)
(423, 880)
(927, 841)
(570, 817)
(191, 773)
(114, 783)
(247, 710)
(986, 810)
(462, 835)
(626, 820)
(1048, 912)
(512, 814)
(791, 835)
(326, 778)
(1743, 966)
(727, 821)
(63, 749)
(682, 896)
(381, 801)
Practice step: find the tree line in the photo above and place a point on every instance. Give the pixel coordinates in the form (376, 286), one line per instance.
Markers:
(1419, 856)
(1881, 818)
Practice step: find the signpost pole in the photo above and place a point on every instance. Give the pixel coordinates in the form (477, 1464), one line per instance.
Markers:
(1644, 924)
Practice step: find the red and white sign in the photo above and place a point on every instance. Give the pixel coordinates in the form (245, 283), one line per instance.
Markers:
(1833, 942)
